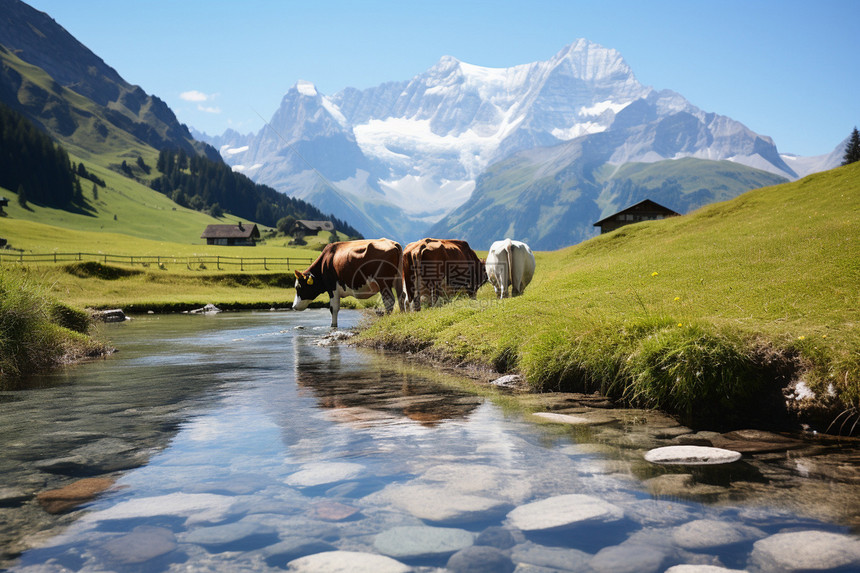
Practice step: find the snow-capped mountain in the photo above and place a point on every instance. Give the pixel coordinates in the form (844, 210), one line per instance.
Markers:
(396, 158)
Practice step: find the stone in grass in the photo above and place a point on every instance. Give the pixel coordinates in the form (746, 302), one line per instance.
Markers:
(806, 551)
(691, 455)
(562, 511)
(346, 562)
(420, 541)
(511, 381)
(705, 534)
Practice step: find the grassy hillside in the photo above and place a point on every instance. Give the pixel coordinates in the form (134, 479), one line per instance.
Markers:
(552, 197)
(124, 207)
(706, 315)
(680, 184)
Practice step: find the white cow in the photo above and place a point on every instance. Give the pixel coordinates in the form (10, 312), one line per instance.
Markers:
(510, 263)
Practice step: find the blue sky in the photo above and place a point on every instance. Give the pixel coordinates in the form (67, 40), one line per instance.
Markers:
(786, 69)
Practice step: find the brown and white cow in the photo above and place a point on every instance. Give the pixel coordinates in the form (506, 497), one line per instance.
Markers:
(353, 268)
(440, 267)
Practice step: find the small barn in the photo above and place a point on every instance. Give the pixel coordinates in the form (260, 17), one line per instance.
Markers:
(646, 210)
(306, 226)
(231, 235)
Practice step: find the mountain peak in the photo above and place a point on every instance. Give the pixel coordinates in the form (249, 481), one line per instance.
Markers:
(592, 62)
(306, 88)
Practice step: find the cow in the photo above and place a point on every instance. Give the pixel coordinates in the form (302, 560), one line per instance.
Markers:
(510, 263)
(353, 268)
(436, 267)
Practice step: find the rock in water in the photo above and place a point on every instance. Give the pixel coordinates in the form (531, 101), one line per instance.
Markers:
(806, 551)
(563, 511)
(705, 534)
(320, 473)
(439, 504)
(73, 495)
(347, 562)
(142, 544)
(417, 542)
(480, 560)
(691, 455)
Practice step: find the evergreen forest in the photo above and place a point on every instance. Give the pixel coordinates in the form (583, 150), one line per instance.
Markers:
(33, 165)
(205, 185)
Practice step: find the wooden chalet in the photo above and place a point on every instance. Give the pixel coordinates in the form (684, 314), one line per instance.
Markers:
(646, 210)
(306, 226)
(231, 235)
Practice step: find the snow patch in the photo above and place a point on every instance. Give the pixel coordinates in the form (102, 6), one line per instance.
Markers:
(404, 141)
(425, 197)
(233, 150)
(334, 111)
(242, 169)
(601, 107)
(306, 88)
(577, 130)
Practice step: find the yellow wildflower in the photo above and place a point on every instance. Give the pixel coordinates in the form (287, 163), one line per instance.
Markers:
(801, 337)
(654, 274)
(677, 298)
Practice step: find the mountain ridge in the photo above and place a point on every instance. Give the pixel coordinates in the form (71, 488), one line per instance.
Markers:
(418, 147)
(33, 38)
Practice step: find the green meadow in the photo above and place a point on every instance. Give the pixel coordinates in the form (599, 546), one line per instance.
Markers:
(705, 316)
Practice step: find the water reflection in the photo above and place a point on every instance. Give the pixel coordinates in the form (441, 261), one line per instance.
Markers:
(240, 442)
(363, 388)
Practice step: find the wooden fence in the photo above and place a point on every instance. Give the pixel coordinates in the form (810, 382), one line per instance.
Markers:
(192, 263)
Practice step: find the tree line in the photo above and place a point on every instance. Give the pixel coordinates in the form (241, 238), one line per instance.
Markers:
(205, 185)
(33, 165)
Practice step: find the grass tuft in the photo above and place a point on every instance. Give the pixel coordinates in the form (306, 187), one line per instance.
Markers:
(34, 330)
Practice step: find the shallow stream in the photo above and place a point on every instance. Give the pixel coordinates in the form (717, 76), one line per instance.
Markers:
(253, 442)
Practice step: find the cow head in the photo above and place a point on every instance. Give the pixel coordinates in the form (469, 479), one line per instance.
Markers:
(307, 289)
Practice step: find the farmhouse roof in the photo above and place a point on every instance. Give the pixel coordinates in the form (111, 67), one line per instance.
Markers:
(644, 205)
(239, 231)
(316, 225)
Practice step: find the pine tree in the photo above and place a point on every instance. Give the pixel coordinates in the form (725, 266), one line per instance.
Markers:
(852, 149)
(22, 196)
(95, 192)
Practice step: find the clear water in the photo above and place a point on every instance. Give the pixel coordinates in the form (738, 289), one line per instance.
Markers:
(242, 442)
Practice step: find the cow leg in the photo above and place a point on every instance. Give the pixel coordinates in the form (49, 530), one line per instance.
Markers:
(399, 293)
(334, 307)
(416, 298)
(387, 294)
